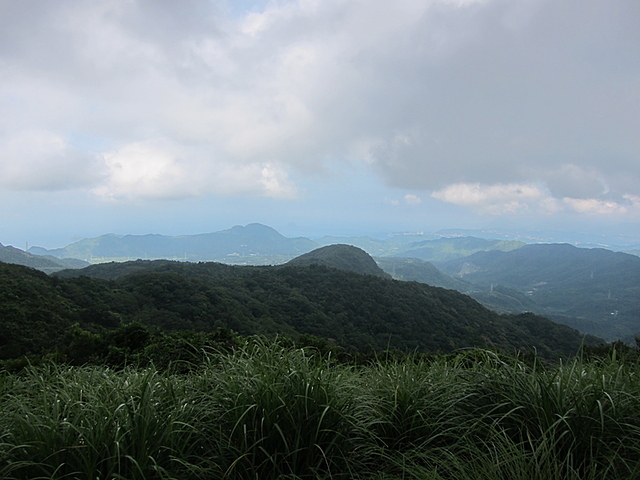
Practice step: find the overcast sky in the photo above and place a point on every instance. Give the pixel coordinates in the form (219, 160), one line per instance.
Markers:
(317, 116)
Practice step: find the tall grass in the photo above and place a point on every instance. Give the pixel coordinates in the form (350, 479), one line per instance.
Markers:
(586, 412)
(577, 420)
(418, 404)
(280, 413)
(95, 423)
(267, 412)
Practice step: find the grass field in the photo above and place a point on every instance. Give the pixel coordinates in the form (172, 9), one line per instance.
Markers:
(268, 411)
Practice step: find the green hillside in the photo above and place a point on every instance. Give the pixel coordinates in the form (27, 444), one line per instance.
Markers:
(414, 269)
(599, 288)
(495, 297)
(342, 257)
(33, 312)
(355, 311)
(47, 263)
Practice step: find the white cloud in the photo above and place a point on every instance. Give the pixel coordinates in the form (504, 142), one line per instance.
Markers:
(498, 199)
(412, 199)
(276, 182)
(634, 200)
(500, 106)
(40, 160)
(162, 169)
(508, 199)
(152, 169)
(595, 206)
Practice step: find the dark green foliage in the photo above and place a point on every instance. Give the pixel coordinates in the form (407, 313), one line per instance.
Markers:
(416, 270)
(358, 312)
(599, 288)
(33, 315)
(95, 423)
(342, 257)
(270, 411)
(281, 413)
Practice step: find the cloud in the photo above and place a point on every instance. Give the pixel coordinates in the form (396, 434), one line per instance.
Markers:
(412, 199)
(518, 199)
(498, 199)
(628, 206)
(594, 206)
(495, 105)
(37, 160)
(160, 169)
(151, 169)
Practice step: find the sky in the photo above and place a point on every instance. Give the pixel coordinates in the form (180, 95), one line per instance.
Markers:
(342, 117)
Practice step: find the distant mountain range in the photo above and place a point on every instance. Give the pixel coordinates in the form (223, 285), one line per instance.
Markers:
(46, 263)
(444, 249)
(257, 244)
(594, 290)
(253, 244)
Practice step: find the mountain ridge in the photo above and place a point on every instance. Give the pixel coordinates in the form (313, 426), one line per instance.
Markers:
(46, 263)
(609, 311)
(257, 244)
(356, 310)
(235, 245)
(342, 257)
(597, 285)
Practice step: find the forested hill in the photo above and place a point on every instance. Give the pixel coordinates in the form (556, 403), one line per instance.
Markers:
(356, 311)
(342, 257)
(597, 287)
(46, 263)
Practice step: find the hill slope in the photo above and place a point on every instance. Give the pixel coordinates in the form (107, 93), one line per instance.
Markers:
(48, 264)
(357, 311)
(599, 287)
(414, 269)
(498, 298)
(342, 257)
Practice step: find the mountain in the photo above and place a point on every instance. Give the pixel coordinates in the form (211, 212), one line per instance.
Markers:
(445, 249)
(378, 247)
(598, 288)
(633, 250)
(48, 264)
(251, 244)
(342, 257)
(427, 247)
(416, 270)
(257, 244)
(497, 298)
(33, 313)
(356, 311)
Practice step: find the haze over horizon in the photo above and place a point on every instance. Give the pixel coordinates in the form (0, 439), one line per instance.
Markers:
(318, 117)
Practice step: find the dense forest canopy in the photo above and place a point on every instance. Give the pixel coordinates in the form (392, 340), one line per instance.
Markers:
(591, 289)
(355, 311)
